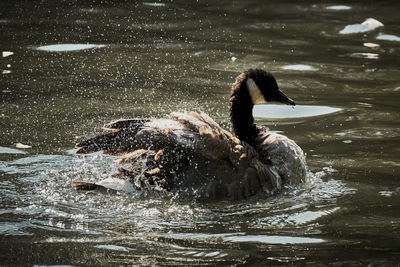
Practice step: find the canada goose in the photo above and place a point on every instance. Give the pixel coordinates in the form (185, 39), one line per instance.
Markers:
(190, 153)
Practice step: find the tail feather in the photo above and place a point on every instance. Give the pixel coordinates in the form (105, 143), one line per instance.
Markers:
(87, 186)
(131, 124)
(116, 143)
(96, 143)
(121, 140)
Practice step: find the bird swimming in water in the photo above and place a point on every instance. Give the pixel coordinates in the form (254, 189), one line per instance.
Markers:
(190, 154)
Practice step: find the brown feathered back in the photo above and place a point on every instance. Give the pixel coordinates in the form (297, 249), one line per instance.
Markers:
(187, 151)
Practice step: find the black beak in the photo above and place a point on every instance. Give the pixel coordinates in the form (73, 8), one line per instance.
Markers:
(281, 97)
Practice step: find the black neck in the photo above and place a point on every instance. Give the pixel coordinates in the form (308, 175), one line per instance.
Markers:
(242, 114)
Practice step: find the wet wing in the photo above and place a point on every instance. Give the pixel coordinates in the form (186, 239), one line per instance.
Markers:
(121, 140)
(155, 150)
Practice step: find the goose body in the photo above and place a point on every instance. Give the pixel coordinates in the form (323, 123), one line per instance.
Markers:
(189, 153)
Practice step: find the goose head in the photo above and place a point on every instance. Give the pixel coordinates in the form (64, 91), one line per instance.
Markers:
(252, 87)
(263, 88)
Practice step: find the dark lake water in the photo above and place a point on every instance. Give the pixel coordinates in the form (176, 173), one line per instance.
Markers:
(68, 67)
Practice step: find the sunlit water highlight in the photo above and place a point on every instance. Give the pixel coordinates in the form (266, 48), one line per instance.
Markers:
(9, 150)
(273, 239)
(366, 55)
(298, 67)
(299, 111)
(338, 7)
(67, 47)
(368, 25)
(388, 37)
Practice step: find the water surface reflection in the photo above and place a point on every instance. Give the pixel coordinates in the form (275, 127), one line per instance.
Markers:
(69, 67)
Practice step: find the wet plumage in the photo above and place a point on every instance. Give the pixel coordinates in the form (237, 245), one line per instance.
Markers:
(189, 153)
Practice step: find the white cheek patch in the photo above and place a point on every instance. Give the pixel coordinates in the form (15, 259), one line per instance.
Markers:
(255, 92)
